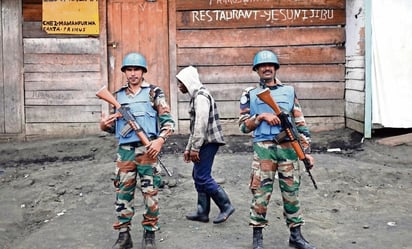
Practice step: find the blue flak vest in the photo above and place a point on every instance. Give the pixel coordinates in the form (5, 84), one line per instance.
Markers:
(144, 113)
(284, 96)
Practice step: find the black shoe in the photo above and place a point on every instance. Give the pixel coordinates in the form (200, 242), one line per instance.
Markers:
(222, 201)
(149, 241)
(203, 209)
(124, 241)
(257, 238)
(296, 239)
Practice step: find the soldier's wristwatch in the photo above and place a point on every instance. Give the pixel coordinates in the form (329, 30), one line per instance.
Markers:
(164, 137)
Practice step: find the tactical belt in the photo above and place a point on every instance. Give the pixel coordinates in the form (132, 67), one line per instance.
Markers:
(132, 146)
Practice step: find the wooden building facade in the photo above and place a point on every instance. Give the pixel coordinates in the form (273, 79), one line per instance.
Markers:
(48, 82)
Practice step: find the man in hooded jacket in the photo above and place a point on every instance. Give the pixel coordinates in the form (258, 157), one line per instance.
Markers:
(205, 138)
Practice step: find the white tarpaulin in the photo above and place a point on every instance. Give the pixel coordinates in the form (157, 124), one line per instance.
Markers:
(392, 63)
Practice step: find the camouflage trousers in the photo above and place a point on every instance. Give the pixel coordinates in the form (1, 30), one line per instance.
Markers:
(133, 162)
(268, 159)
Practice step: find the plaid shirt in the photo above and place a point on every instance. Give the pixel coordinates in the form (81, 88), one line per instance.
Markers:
(204, 128)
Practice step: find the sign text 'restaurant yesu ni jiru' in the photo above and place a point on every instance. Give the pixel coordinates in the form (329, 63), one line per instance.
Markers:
(272, 15)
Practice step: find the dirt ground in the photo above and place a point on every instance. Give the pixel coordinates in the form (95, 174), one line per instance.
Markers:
(57, 193)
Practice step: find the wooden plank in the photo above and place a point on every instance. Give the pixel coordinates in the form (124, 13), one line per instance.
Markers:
(355, 61)
(62, 59)
(5, 138)
(254, 18)
(83, 81)
(323, 108)
(2, 106)
(244, 56)
(355, 111)
(61, 98)
(358, 85)
(103, 76)
(63, 114)
(324, 90)
(44, 130)
(115, 54)
(12, 68)
(227, 4)
(64, 76)
(286, 73)
(318, 124)
(76, 83)
(396, 140)
(304, 90)
(353, 96)
(355, 125)
(172, 60)
(61, 68)
(260, 37)
(315, 73)
(61, 46)
(32, 11)
(355, 73)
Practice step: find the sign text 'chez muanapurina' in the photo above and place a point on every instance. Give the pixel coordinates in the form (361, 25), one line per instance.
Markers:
(71, 17)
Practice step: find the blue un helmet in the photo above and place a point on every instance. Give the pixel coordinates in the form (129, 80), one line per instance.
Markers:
(265, 56)
(134, 60)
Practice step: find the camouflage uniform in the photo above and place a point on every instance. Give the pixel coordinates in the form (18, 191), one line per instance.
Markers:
(271, 157)
(132, 160)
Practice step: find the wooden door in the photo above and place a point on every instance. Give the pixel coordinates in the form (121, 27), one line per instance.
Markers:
(138, 26)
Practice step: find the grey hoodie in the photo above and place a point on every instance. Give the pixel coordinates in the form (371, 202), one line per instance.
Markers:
(204, 118)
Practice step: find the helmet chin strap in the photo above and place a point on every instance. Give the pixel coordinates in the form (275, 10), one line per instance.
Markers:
(263, 81)
(266, 80)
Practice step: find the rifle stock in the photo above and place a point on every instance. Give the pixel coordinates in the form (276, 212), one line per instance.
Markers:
(267, 98)
(104, 94)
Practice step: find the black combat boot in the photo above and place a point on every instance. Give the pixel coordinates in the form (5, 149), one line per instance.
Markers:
(222, 201)
(203, 208)
(257, 238)
(296, 239)
(124, 241)
(149, 241)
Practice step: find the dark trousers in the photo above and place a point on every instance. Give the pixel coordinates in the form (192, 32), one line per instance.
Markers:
(202, 171)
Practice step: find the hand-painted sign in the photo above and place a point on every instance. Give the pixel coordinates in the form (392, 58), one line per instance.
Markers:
(71, 17)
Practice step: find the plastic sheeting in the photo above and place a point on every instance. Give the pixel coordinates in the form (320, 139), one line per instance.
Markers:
(391, 70)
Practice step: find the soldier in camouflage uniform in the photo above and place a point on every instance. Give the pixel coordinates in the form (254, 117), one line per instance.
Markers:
(148, 105)
(273, 152)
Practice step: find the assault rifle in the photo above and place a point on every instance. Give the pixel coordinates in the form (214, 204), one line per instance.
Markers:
(124, 111)
(288, 129)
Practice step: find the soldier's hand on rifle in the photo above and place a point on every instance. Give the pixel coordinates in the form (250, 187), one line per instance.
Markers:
(154, 147)
(107, 122)
(270, 118)
(311, 160)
